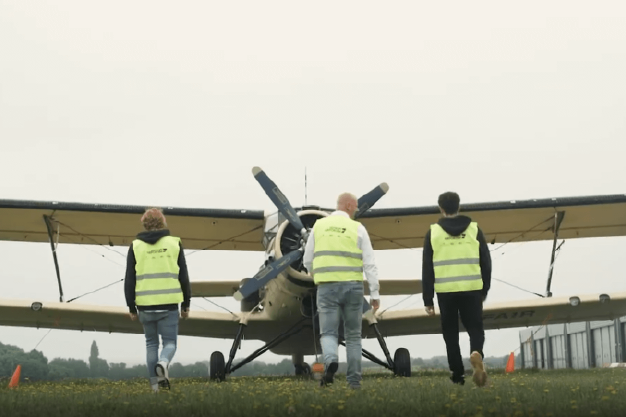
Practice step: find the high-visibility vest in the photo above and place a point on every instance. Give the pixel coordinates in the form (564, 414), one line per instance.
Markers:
(157, 270)
(337, 256)
(456, 259)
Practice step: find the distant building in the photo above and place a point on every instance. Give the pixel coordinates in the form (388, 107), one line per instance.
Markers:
(576, 345)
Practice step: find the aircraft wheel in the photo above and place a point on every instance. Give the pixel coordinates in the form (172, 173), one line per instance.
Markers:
(217, 369)
(402, 362)
(303, 369)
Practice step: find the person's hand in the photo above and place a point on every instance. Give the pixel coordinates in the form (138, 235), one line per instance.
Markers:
(484, 297)
(133, 316)
(375, 304)
(430, 310)
(185, 313)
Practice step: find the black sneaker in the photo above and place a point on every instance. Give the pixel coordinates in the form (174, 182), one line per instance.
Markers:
(329, 376)
(460, 380)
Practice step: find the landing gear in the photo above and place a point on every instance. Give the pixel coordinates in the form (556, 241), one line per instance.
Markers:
(402, 362)
(217, 369)
(303, 369)
(400, 365)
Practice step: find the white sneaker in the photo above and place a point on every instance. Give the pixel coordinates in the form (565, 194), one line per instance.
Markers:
(161, 370)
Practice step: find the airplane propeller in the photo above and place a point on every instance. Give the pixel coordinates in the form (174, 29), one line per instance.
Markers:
(279, 199)
(273, 269)
(368, 200)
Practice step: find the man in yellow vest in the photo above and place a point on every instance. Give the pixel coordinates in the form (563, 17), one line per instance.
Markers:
(156, 282)
(457, 265)
(337, 253)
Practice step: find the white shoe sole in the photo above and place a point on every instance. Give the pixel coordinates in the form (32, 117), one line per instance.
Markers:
(161, 372)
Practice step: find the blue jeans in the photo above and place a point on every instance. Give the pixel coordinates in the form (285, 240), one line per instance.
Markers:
(335, 301)
(155, 324)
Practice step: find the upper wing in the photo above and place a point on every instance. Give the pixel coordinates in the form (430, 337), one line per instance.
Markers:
(511, 314)
(398, 286)
(214, 288)
(513, 221)
(53, 315)
(118, 225)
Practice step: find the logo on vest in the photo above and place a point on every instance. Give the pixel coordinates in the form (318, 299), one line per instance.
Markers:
(336, 229)
(461, 236)
(157, 251)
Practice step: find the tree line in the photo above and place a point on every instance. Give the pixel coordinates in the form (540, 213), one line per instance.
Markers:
(36, 367)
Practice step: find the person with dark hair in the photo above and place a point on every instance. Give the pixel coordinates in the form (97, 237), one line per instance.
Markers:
(456, 264)
(156, 281)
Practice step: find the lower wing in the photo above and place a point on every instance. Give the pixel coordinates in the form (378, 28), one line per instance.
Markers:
(589, 307)
(54, 315)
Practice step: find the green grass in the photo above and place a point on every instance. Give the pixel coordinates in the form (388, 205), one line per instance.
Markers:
(549, 393)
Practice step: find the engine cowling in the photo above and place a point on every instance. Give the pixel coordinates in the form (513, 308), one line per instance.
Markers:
(288, 239)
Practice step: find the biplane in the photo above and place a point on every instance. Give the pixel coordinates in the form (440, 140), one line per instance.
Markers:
(278, 301)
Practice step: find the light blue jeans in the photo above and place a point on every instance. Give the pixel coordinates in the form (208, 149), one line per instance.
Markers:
(336, 301)
(155, 324)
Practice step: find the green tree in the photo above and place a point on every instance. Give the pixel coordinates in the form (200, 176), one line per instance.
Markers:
(34, 363)
(418, 362)
(68, 368)
(99, 368)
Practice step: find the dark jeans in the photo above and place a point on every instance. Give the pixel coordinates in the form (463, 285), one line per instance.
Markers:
(469, 306)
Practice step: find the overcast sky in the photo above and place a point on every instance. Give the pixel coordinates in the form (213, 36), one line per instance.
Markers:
(162, 103)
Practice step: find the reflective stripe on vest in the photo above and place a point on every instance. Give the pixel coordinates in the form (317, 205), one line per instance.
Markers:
(456, 259)
(157, 270)
(337, 256)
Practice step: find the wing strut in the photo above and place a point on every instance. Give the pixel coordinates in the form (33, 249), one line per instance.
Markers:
(558, 219)
(49, 226)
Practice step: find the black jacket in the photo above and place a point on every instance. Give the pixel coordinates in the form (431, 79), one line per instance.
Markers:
(453, 226)
(152, 237)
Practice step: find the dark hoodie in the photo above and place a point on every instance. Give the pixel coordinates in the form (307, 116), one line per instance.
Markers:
(453, 226)
(152, 237)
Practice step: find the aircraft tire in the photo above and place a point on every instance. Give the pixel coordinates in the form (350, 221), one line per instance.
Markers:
(303, 369)
(306, 369)
(217, 369)
(402, 363)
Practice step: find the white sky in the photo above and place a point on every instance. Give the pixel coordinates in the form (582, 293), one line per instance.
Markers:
(173, 104)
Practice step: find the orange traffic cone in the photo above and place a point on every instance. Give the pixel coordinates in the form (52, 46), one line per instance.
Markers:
(318, 370)
(510, 364)
(15, 379)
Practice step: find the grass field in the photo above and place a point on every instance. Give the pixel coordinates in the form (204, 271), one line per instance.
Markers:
(600, 392)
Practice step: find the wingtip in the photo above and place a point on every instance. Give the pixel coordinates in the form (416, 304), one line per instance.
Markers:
(238, 296)
(256, 170)
(385, 187)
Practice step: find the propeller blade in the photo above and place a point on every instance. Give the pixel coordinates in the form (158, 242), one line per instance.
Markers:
(368, 200)
(267, 274)
(278, 198)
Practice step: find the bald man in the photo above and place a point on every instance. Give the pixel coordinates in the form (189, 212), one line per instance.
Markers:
(337, 254)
